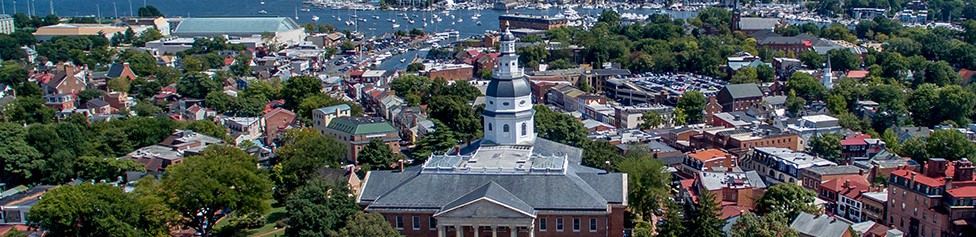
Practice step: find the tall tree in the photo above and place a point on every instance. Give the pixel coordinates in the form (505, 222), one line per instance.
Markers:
(304, 152)
(559, 127)
(652, 119)
(438, 141)
(197, 85)
(16, 154)
(794, 104)
(376, 155)
(693, 104)
(704, 218)
(674, 224)
(745, 75)
(317, 208)
(826, 146)
(648, 184)
(366, 224)
(787, 199)
(455, 112)
(89, 210)
(770, 225)
(223, 178)
(149, 11)
(950, 144)
(298, 88)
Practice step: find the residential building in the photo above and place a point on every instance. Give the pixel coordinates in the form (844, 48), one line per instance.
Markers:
(731, 187)
(98, 107)
(875, 206)
(322, 116)
(60, 102)
(739, 97)
(843, 196)
(67, 79)
(14, 208)
(778, 165)
(938, 200)
(244, 128)
(284, 29)
(116, 70)
(276, 122)
(860, 146)
(510, 181)
(533, 22)
(356, 132)
(45, 33)
(810, 225)
(413, 124)
(342, 177)
(706, 160)
(628, 117)
(172, 150)
(808, 126)
(7, 24)
(751, 25)
(813, 177)
(449, 72)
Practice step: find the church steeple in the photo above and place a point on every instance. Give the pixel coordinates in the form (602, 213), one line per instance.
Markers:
(508, 111)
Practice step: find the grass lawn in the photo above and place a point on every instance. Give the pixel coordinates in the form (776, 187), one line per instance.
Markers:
(270, 217)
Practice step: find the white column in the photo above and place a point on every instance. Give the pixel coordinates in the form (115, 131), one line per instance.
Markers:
(532, 230)
(494, 231)
(514, 230)
(476, 230)
(441, 231)
(458, 231)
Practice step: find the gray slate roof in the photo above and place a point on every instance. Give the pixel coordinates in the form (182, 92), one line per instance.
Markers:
(756, 23)
(819, 226)
(743, 90)
(508, 88)
(494, 192)
(835, 169)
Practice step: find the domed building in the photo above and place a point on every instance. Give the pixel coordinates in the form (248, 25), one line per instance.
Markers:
(508, 183)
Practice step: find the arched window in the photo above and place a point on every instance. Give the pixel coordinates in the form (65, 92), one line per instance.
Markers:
(489, 126)
(524, 130)
(505, 128)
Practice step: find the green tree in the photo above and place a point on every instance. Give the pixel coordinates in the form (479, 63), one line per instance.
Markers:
(647, 181)
(242, 65)
(193, 64)
(15, 233)
(109, 169)
(120, 84)
(674, 224)
(89, 94)
(317, 208)
(787, 199)
(766, 73)
(12, 73)
(806, 86)
(16, 154)
(770, 225)
(745, 75)
(704, 219)
(455, 112)
(652, 119)
(559, 127)
(692, 104)
(794, 104)
(249, 106)
(304, 152)
(610, 17)
(922, 103)
(146, 109)
(366, 224)
(415, 67)
(270, 89)
(149, 11)
(915, 148)
(197, 85)
(441, 139)
(298, 88)
(322, 100)
(28, 110)
(222, 178)
(142, 63)
(220, 101)
(949, 144)
(826, 146)
(376, 155)
(89, 210)
(209, 128)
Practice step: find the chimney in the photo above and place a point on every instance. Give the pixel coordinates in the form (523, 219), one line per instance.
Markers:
(964, 170)
(913, 179)
(606, 166)
(948, 183)
(400, 165)
(847, 183)
(860, 172)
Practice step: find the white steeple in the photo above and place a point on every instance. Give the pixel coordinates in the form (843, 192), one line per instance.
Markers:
(508, 100)
(828, 77)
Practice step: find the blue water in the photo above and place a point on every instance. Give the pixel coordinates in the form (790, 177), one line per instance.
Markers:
(287, 8)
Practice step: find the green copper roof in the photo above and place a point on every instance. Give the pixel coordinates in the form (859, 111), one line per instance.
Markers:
(361, 125)
(235, 25)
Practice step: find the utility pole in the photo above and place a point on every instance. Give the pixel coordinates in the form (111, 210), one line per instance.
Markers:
(98, 10)
(130, 8)
(3, 7)
(52, 6)
(116, 7)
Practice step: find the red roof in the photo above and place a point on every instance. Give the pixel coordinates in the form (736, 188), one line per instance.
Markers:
(966, 74)
(855, 140)
(858, 73)
(228, 61)
(688, 184)
(730, 211)
(709, 154)
(963, 192)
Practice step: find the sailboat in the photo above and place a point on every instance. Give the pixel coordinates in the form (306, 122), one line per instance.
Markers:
(395, 25)
(296, 13)
(315, 18)
(262, 2)
(263, 12)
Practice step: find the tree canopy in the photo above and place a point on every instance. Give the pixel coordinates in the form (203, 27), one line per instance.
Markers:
(787, 199)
